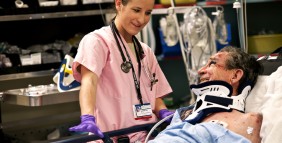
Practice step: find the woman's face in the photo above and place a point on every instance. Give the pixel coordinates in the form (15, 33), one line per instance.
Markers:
(132, 17)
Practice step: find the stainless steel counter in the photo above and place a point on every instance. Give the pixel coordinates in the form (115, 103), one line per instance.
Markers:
(21, 97)
(22, 80)
(39, 89)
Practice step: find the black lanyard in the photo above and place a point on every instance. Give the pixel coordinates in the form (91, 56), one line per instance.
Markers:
(137, 51)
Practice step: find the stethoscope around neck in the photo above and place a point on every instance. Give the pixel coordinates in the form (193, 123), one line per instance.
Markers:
(126, 65)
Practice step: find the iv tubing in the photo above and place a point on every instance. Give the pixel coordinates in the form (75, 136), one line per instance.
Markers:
(156, 125)
(246, 30)
(242, 26)
(179, 35)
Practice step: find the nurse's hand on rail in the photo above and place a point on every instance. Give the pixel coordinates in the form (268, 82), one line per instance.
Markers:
(164, 113)
(88, 124)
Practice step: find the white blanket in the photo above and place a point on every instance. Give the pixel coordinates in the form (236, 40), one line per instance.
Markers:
(266, 98)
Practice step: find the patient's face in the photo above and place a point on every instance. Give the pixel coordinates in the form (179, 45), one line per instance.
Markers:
(215, 69)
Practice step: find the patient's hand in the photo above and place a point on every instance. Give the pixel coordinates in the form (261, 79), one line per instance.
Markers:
(184, 114)
(245, 124)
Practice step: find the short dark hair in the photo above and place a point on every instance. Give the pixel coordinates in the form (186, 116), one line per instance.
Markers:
(239, 59)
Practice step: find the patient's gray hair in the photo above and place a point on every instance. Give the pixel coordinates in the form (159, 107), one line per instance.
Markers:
(238, 59)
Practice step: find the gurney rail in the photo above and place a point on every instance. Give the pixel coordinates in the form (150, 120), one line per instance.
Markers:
(86, 138)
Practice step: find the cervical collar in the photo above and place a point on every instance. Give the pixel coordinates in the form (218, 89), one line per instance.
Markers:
(64, 77)
(215, 96)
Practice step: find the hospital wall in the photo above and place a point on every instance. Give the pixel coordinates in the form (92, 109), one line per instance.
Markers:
(35, 123)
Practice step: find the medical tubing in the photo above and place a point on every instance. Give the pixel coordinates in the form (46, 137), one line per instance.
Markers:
(180, 40)
(243, 28)
(238, 23)
(148, 36)
(246, 27)
(135, 41)
(156, 125)
(102, 14)
(152, 37)
(117, 41)
(172, 2)
(204, 31)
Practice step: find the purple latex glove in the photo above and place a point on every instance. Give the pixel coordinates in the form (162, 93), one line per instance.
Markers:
(164, 113)
(88, 124)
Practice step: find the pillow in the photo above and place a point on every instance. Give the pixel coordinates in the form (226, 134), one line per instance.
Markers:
(266, 98)
(255, 98)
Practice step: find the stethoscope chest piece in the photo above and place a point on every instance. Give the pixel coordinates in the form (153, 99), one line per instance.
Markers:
(126, 66)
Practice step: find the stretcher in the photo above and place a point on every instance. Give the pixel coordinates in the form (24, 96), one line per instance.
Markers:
(265, 98)
(152, 129)
(86, 138)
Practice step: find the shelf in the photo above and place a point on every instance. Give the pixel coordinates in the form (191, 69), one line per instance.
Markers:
(53, 15)
(27, 75)
(28, 68)
(86, 10)
(34, 11)
(224, 2)
(178, 9)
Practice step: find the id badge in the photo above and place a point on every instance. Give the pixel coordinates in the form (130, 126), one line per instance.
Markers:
(142, 111)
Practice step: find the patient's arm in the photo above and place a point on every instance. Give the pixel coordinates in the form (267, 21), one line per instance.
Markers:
(245, 124)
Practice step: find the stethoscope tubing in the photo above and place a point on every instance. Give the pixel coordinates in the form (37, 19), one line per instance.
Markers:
(124, 67)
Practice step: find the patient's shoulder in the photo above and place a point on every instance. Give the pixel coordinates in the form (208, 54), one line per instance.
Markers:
(251, 122)
(253, 115)
(245, 124)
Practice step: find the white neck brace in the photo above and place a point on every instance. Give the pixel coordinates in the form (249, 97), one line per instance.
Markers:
(215, 96)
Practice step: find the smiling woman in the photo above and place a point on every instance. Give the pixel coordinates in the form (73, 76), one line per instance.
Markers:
(120, 75)
(132, 16)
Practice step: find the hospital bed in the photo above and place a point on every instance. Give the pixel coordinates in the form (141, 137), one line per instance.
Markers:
(82, 138)
(265, 98)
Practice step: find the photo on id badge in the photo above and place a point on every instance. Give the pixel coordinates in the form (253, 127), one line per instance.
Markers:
(142, 111)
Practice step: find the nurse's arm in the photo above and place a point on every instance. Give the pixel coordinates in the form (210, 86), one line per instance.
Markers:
(159, 105)
(87, 94)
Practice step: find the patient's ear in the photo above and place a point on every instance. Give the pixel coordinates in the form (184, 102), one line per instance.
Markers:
(237, 75)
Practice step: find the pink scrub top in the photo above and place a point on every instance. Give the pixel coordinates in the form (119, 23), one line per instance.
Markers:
(116, 92)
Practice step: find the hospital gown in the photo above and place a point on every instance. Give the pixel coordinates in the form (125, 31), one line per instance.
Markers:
(207, 132)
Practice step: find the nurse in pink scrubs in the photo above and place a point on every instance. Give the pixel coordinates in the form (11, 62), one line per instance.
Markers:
(122, 84)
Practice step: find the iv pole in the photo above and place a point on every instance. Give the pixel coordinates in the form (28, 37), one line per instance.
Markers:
(184, 51)
(192, 100)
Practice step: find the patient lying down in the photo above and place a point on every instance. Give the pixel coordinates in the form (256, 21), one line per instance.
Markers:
(218, 113)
